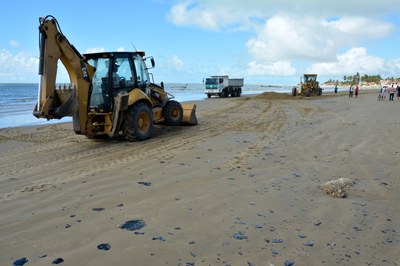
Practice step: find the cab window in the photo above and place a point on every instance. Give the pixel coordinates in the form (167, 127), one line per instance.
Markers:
(141, 72)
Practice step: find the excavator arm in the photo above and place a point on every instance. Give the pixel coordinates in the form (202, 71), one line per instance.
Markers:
(72, 100)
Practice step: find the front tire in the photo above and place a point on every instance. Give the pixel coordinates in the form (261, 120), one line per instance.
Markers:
(138, 122)
(173, 113)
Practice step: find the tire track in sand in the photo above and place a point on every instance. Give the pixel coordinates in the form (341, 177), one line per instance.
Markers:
(47, 160)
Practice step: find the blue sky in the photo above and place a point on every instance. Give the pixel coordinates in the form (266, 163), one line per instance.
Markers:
(264, 41)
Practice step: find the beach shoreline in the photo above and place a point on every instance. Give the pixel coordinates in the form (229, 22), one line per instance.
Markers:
(240, 188)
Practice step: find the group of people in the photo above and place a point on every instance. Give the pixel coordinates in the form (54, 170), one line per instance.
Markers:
(353, 90)
(391, 90)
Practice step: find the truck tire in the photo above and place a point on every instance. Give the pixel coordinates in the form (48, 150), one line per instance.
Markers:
(138, 122)
(208, 95)
(173, 113)
(237, 92)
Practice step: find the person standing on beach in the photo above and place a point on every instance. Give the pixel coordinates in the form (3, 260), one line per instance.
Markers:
(383, 93)
(336, 88)
(356, 90)
(391, 92)
(398, 91)
(351, 90)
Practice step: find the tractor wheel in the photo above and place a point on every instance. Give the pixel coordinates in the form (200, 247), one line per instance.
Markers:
(294, 91)
(138, 122)
(172, 113)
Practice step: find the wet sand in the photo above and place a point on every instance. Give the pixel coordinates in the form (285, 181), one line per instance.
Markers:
(241, 188)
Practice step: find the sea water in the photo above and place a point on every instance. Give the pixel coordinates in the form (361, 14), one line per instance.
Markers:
(17, 101)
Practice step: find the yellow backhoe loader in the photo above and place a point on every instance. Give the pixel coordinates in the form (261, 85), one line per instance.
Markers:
(110, 93)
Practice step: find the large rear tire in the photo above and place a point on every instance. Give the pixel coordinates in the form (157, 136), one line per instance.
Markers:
(294, 91)
(138, 122)
(173, 113)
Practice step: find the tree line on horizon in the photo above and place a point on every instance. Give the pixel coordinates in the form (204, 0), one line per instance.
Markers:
(357, 78)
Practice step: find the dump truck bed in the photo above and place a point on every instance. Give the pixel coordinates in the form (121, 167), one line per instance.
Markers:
(235, 82)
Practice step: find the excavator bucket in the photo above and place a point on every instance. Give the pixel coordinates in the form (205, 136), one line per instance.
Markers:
(189, 114)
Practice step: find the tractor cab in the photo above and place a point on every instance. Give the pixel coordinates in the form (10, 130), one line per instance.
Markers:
(116, 72)
(310, 78)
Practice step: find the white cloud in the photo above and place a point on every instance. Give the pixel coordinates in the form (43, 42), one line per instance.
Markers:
(288, 32)
(14, 44)
(175, 62)
(393, 67)
(211, 15)
(280, 68)
(361, 27)
(285, 37)
(95, 50)
(215, 15)
(17, 67)
(353, 61)
(292, 38)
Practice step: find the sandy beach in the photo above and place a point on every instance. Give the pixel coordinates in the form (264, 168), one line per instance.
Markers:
(241, 188)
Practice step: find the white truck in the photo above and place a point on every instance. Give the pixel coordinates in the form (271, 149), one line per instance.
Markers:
(223, 86)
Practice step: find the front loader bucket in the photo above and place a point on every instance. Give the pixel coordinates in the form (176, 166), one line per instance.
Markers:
(189, 114)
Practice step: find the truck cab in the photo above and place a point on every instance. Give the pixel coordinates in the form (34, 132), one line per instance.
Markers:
(215, 85)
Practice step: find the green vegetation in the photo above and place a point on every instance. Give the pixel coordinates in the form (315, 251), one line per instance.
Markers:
(357, 78)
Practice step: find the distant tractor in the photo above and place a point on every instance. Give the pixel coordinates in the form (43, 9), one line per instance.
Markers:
(309, 86)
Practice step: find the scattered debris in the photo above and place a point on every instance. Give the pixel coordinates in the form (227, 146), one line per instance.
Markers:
(308, 244)
(133, 225)
(147, 184)
(301, 235)
(58, 261)
(317, 223)
(160, 238)
(337, 188)
(239, 236)
(20, 261)
(289, 262)
(104, 247)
